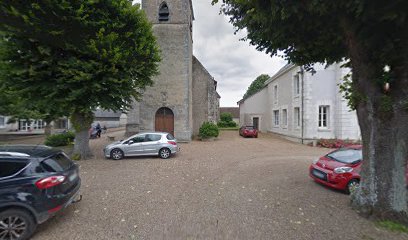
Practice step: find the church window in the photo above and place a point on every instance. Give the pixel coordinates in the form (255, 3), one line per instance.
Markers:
(164, 12)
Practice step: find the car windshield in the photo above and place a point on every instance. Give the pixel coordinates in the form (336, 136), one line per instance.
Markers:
(346, 155)
(249, 127)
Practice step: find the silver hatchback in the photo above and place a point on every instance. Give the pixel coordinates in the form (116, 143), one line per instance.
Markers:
(143, 144)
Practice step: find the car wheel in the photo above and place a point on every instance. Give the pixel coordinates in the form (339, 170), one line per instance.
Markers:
(352, 184)
(117, 154)
(16, 224)
(164, 153)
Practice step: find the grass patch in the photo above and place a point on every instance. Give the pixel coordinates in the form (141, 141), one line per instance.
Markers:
(393, 226)
(229, 129)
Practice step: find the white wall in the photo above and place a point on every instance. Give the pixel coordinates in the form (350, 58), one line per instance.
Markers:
(255, 106)
(320, 88)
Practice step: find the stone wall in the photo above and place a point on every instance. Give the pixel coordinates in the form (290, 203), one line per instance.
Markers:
(180, 11)
(201, 93)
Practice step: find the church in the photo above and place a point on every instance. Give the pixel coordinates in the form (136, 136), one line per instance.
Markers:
(184, 94)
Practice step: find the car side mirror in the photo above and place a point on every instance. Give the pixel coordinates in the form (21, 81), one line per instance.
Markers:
(130, 142)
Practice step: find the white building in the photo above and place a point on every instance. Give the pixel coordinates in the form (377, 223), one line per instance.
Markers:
(30, 125)
(302, 106)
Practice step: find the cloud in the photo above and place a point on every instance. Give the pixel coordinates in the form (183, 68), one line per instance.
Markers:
(233, 63)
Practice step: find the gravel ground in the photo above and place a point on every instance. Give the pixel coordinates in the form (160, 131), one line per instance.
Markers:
(231, 188)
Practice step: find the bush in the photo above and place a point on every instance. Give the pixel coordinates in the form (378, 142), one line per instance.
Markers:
(226, 117)
(232, 124)
(208, 130)
(226, 121)
(222, 124)
(335, 143)
(61, 139)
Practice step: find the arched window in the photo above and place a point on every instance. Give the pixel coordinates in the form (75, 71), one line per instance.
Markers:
(164, 12)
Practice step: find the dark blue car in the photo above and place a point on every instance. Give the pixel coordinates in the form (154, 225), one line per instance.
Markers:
(36, 182)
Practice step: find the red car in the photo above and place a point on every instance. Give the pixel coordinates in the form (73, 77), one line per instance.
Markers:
(339, 169)
(248, 131)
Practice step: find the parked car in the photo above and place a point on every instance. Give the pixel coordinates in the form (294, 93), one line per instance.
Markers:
(340, 169)
(36, 182)
(248, 131)
(143, 144)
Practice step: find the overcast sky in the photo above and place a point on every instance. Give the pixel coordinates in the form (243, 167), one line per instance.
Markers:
(234, 64)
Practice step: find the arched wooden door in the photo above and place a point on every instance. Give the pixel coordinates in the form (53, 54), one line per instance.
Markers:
(164, 120)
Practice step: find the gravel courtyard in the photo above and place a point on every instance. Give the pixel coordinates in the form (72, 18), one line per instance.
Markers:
(232, 188)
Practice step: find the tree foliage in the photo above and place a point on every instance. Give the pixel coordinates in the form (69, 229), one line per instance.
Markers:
(226, 120)
(256, 85)
(372, 38)
(77, 56)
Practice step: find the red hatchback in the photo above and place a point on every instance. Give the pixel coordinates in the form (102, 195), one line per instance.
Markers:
(248, 131)
(339, 169)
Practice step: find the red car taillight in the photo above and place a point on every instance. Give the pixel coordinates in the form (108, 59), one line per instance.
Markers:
(49, 182)
(172, 143)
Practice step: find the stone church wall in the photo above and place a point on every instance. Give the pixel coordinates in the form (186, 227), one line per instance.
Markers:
(201, 79)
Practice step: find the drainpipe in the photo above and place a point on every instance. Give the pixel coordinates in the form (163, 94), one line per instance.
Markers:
(302, 103)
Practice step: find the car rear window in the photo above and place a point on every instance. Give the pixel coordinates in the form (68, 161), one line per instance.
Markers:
(10, 168)
(57, 163)
(249, 127)
(152, 137)
(170, 137)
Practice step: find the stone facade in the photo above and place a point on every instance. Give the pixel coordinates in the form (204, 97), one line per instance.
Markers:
(173, 87)
(291, 104)
(205, 97)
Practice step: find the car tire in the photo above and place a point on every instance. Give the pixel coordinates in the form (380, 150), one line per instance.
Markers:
(23, 223)
(164, 153)
(353, 183)
(116, 154)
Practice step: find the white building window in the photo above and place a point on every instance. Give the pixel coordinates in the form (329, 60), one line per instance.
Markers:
(284, 117)
(296, 117)
(275, 94)
(2, 122)
(324, 116)
(276, 117)
(296, 85)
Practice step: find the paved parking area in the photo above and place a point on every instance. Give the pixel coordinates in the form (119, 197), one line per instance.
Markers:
(232, 188)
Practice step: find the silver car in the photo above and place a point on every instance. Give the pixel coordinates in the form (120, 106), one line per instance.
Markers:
(143, 144)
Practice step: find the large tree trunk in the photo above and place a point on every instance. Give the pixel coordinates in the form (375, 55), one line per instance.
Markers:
(48, 127)
(82, 122)
(383, 119)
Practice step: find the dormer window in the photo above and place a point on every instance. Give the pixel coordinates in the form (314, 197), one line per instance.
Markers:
(164, 12)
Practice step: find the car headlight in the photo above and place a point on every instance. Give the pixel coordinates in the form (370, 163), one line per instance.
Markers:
(315, 161)
(343, 169)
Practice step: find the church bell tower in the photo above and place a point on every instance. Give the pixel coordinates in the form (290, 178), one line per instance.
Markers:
(167, 105)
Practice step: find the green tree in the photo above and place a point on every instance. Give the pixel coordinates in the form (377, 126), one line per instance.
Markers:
(256, 85)
(226, 117)
(77, 56)
(12, 104)
(372, 36)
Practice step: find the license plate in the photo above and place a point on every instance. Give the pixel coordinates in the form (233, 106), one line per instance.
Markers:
(318, 174)
(73, 177)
